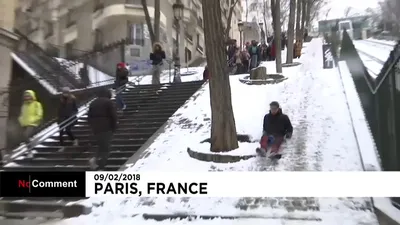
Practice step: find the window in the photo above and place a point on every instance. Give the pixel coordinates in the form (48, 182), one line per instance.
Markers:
(49, 29)
(136, 34)
(198, 39)
(135, 52)
(188, 55)
(98, 37)
(70, 18)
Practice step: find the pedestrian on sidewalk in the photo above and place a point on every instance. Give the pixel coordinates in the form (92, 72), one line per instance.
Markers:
(157, 57)
(102, 118)
(67, 109)
(30, 117)
(121, 79)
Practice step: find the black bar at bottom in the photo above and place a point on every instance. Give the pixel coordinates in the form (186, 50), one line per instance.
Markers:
(42, 184)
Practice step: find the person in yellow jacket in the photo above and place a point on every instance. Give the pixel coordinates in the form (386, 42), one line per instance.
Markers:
(31, 115)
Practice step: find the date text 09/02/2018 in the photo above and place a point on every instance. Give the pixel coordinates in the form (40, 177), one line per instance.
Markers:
(157, 188)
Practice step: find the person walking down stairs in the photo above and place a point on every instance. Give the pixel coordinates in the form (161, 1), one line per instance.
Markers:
(67, 109)
(30, 117)
(102, 118)
(121, 79)
(157, 57)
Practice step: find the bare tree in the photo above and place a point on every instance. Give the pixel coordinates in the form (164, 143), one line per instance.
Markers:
(290, 31)
(327, 13)
(265, 14)
(154, 31)
(247, 10)
(232, 5)
(276, 11)
(298, 20)
(391, 16)
(223, 127)
(284, 8)
(347, 11)
(304, 4)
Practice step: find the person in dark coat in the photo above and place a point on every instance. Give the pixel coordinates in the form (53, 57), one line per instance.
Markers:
(276, 127)
(67, 108)
(157, 57)
(121, 78)
(254, 52)
(102, 118)
(206, 74)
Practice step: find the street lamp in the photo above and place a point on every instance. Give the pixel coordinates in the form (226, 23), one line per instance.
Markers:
(178, 14)
(241, 27)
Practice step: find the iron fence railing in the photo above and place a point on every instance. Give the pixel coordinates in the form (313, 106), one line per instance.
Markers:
(380, 99)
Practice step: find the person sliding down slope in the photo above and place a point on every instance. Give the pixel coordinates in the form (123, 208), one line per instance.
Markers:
(276, 127)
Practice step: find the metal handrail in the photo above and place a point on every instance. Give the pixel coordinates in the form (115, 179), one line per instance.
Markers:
(64, 124)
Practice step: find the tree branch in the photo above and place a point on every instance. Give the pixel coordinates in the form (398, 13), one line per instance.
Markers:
(148, 21)
(229, 19)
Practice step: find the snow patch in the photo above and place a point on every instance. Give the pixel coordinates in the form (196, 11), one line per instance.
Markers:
(244, 149)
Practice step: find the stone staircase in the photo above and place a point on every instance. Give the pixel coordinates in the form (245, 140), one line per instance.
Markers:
(47, 67)
(148, 108)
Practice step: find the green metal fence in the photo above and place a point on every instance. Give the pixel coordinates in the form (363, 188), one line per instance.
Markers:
(380, 99)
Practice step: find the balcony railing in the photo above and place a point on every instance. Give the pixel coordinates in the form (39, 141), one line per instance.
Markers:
(200, 49)
(189, 37)
(200, 22)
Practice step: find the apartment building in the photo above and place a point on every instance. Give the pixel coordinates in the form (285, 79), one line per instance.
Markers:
(73, 27)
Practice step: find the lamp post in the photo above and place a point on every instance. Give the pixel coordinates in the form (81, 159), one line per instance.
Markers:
(240, 26)
(178, 14)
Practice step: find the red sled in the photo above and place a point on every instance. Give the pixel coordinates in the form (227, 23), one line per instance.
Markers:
(270, 147)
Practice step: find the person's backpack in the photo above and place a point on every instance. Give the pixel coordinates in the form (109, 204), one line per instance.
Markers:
(254, 50)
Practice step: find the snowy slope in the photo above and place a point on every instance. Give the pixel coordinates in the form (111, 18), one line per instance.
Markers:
(323, 141)
(378, 51)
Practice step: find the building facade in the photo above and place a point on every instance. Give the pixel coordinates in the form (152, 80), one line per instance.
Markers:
(74, 27)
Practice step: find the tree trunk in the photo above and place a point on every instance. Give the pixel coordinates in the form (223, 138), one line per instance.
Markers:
(303, 17)
(229, 18)
(273, 14)
(265, 13)
(156, 20)
(148, 21)
(247, 10)
(310, 4)
(298, 20)
(154, 31)
(223, 127)
(290, 31)
(278, 47)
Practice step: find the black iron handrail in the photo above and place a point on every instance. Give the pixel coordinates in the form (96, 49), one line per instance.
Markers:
(50, 60)
(61, 126)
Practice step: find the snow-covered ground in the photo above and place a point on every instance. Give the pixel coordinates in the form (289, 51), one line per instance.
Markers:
(373, 67)
(385, 42)
(378, 51)
(323, 140)
(373, 54)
